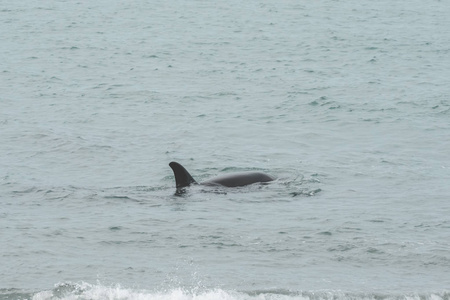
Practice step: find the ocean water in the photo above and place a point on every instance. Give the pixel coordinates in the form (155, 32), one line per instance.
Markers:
(346, 103)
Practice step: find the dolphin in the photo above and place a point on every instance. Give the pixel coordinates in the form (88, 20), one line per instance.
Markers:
(184, 179)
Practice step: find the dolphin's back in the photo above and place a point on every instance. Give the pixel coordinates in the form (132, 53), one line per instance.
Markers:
(239, 179)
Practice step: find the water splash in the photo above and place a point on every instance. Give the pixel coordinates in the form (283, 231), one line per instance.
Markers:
(83, 290)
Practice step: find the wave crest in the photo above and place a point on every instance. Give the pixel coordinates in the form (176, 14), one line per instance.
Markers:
(83, 290)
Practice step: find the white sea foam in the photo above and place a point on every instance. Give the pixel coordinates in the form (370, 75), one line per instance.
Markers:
(82, 291)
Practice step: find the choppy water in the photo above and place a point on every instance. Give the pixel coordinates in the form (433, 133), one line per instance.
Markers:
(347, 103)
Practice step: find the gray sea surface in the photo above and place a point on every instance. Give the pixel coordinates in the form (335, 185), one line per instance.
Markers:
(346, 103)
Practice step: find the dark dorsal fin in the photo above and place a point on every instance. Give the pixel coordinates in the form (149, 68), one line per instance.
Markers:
(182, 176)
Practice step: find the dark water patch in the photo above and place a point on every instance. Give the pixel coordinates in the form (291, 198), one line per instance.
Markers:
(70, 48)
(347, 229)
(326, 233)
(55, 233)
(373, 250)
(305, 192)
(126, 243)
(324, 102)
(376, 221)
(222, 245)
(118, 197)
(318, 101)
(115, 228)
(341, 248)
(57, 195)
